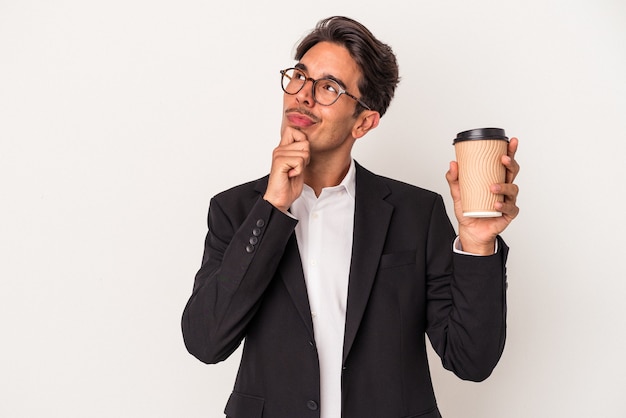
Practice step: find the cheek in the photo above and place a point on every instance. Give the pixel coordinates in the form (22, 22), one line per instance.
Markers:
(338, 117)
(287, 101)
(344, 124)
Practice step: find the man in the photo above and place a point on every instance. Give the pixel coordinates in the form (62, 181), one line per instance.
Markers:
(332, 274)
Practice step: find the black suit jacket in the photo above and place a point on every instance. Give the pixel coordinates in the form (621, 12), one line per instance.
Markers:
(405, 282)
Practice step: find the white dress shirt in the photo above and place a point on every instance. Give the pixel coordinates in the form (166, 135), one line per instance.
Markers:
(324, 234)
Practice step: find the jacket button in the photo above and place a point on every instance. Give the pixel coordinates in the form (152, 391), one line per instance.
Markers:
(254, 240)
(312, 405)
(256, 232)
(260, 223)
(249, 248)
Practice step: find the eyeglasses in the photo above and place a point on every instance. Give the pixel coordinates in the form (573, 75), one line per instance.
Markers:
(325, 91)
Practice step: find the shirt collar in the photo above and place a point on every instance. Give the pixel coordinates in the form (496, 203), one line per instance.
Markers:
(349, 181)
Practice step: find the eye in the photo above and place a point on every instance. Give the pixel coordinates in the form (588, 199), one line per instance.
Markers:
(329, 86)
(299, 75)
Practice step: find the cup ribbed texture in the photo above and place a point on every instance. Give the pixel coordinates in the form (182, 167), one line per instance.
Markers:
(480, 166)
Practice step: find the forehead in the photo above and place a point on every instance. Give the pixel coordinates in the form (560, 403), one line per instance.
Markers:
(327, 59)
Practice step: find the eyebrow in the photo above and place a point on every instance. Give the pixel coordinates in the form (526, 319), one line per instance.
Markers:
(302, 67)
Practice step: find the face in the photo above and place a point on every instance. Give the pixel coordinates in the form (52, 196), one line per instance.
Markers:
(328, 128)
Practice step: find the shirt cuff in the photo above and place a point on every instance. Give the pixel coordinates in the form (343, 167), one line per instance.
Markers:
(458, 248)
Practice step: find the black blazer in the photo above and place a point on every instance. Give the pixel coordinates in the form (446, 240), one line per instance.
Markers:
(405, 282)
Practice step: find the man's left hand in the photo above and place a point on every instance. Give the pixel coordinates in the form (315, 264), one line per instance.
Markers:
(478, 235)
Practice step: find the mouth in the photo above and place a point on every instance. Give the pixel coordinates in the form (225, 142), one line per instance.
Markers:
(300, 119)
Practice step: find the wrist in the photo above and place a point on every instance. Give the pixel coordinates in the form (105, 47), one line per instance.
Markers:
(477, 247)
(281, 208)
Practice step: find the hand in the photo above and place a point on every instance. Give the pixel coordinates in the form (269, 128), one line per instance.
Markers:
(289, 160)
(478, 235)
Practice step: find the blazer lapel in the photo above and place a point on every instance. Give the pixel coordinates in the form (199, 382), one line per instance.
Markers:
(290, 270)
(371, 220)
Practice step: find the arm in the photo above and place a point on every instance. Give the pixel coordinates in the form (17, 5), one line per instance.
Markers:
(466, 303)
(235, 271)
(229, 286)
(467, 294)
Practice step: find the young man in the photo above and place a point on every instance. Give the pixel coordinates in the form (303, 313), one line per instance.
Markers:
(334, 275)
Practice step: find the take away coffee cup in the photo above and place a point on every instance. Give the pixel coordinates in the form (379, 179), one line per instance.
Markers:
(479, 156)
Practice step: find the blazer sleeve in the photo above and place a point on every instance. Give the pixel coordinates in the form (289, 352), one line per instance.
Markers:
(466, 303)
(242, 250)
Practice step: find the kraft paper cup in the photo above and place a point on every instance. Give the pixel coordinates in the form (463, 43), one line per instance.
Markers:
(479, 156)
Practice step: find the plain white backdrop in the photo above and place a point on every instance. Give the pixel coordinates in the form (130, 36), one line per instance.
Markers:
(120, 119)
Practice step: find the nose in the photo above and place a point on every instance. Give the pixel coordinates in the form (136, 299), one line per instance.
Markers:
(305, 95)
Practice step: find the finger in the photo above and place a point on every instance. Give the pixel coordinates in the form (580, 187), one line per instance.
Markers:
(295, 169)
(291, 158)
(293, 150)
(510, 191)
(292, 164)
(299, 136)
(507, 208)
(291, 135)
(512, 149)
(512, 166)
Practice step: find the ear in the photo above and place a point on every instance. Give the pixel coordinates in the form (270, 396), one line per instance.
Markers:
(366, 121)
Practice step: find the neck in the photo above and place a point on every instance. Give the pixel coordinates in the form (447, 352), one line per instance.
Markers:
(322, 172)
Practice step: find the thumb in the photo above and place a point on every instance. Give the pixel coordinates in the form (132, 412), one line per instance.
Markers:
(452, 176)
(453, 172)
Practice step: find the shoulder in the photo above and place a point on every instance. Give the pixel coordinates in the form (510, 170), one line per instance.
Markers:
(242, 197)
(250, 187)
(396, 188)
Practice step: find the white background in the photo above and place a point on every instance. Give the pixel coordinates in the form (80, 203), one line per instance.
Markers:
(120, 119)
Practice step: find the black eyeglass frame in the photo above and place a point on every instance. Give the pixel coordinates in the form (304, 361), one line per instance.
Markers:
(283, 74)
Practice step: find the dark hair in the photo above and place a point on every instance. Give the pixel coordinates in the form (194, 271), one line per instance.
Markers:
(375, 59)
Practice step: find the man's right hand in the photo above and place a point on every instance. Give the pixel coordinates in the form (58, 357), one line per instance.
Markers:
(289, 161)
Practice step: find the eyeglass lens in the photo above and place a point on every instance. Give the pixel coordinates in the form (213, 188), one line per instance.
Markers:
(325, 91)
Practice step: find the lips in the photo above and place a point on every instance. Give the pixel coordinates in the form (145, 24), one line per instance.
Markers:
(300, 120)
